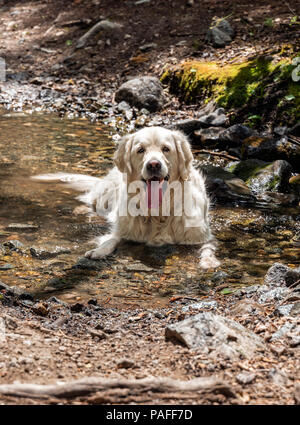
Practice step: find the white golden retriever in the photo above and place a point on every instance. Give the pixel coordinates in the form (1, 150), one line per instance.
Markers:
(153, 165)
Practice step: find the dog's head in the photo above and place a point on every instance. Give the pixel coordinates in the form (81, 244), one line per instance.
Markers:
(154, 153)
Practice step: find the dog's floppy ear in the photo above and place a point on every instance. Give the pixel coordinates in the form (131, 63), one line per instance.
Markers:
(185, 156)
(122, 157)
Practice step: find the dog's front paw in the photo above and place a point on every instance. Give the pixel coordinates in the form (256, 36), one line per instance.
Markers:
(209, 262)
(103, 250)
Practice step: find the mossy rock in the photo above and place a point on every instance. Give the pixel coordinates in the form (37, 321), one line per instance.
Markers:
(262, 176)
(261, 84)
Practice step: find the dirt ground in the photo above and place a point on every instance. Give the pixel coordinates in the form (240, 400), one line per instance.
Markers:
(51, 343)
(58, 343)
(39, 38)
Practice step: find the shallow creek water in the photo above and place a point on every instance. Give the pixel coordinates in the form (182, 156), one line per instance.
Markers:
(250, 240)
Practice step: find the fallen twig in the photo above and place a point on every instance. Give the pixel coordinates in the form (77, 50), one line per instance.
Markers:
(222, 154)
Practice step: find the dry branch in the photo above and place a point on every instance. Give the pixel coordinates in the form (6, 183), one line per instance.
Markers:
(90, 385)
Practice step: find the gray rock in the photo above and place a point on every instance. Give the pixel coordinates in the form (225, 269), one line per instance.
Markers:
(290, 329)
(215, 335)
(244, 307)
(123, 106)
(209, 136)
(248, 291)
(138, 268)
(148, 46)
(142, 92)
(201, 305)
(234, 135)
(220, 33)
(2, 331)
(13, 245)
(219, 277)
(281, 275)
(86, 263)
(43, 253)
(214, 119)
(188, 127)
(245, 377)
(276, 294)
(218, 38)
(292, 309)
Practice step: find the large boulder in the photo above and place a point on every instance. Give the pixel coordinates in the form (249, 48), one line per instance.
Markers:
(215, 335)
(269, 149)
(142, 92)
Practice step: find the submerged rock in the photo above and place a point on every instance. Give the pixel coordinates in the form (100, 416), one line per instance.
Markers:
(225, 187)
(43, 253)
(22, 227)
(142, 92)
(214, 335)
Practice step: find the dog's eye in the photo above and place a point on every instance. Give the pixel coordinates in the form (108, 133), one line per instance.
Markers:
(141, 150)
(165, 149)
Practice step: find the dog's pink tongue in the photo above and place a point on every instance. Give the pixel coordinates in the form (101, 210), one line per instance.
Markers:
(154, 193)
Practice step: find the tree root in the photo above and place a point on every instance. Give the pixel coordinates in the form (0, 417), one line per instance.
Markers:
(87, 386)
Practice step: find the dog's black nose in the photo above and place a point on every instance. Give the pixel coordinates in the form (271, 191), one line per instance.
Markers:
(154, 165)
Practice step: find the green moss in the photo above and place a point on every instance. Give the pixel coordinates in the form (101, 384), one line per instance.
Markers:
(238, 85)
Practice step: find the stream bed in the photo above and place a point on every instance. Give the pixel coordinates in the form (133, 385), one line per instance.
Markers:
(44, 232)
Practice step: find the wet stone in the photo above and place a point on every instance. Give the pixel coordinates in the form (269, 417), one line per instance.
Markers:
(21, 227)
(46, 253)
(85, 263)
(13, 245)
(138, 268)
(6, 266)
